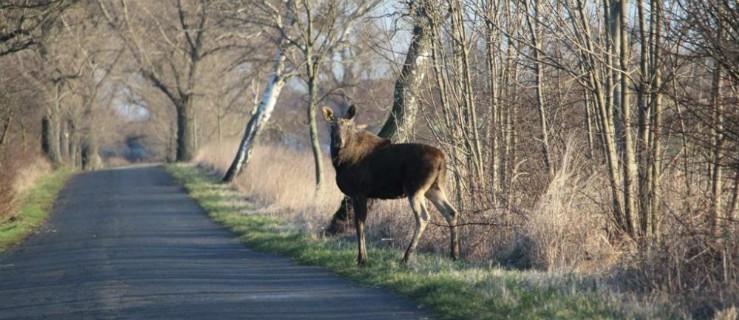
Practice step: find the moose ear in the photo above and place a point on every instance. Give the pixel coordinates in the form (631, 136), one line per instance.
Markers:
(351, 112)
(328, 114)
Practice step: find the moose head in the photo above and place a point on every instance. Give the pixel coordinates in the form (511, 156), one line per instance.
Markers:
(342, 129)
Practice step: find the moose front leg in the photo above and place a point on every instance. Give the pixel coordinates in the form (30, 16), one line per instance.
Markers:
(360, 215)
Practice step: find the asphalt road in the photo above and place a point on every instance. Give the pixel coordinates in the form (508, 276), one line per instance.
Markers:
(130, 244)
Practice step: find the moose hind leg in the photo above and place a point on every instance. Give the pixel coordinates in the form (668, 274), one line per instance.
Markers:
(440, 201)
(360, 215)
(422, 218)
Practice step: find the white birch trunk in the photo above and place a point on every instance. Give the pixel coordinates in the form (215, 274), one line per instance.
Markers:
(260, 116)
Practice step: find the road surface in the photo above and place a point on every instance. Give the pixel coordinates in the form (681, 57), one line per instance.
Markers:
(130, 244)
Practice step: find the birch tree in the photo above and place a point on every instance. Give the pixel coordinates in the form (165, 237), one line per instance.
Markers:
(276, 21)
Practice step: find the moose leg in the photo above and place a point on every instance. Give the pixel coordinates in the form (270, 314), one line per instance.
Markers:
(360, 215)
(422, 218)
(440, 201)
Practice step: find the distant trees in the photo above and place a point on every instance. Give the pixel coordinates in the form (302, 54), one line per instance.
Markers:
(169, 43)
(71, 69)
(23, 25)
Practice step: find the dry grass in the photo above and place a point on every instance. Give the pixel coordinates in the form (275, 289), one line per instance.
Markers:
(29, 175)
(280, 181)
(566, 231)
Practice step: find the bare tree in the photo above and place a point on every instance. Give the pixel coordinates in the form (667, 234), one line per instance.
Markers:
(24, 23)
(169, 47)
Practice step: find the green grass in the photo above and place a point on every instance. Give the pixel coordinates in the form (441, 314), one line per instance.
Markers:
(450, 289)
(34, 209)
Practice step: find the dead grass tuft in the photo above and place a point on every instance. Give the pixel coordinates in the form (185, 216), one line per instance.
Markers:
(566, 231)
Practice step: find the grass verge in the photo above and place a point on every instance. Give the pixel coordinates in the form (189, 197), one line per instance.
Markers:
(451, 290)
(34, 208)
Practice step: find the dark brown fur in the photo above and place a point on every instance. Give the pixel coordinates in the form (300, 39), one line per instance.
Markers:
(370, 167)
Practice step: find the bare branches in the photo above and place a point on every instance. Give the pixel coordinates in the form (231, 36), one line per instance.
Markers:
(24, 23)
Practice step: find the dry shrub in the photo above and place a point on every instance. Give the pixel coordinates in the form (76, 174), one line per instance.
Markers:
(689, 264)
(566, 231)
(727, 314)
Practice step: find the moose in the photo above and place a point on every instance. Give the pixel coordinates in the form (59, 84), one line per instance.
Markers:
(370, 167)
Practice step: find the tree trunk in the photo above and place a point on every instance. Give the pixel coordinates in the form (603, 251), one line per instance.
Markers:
(589, 125)
(399, 124)
(496, 126)
(50, 137)
(601, 83)
(313, 129)
(656, 146)
(260, 116)
(185, 129)
(64, 141)
(734, 203)
(312, 65)
(75, 157)
(715, 213)
(644, 157)
(539, 78)
(630, 167)
(6, 129)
